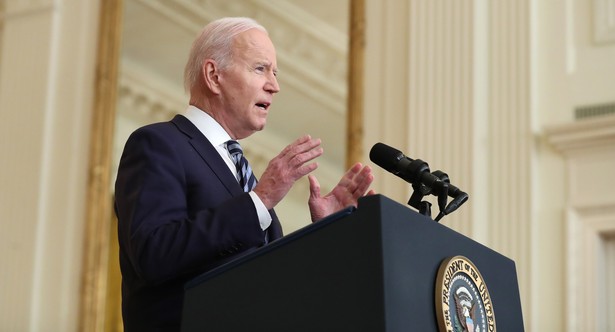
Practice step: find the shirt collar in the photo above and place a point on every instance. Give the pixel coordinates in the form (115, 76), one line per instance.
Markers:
(207, 125)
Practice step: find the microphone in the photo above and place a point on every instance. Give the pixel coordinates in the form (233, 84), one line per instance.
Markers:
(396, 162)
(416, 172)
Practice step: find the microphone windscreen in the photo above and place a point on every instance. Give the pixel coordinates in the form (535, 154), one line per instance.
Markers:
(385, 156)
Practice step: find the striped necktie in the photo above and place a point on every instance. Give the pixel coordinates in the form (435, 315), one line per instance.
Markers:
(247, 180)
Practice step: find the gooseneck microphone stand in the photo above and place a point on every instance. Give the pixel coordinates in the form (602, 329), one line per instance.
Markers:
(437, 184)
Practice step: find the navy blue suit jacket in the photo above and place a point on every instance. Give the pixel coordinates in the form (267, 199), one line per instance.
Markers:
(180, 213)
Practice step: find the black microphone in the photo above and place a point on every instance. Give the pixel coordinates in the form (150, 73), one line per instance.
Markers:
(416, 171)
(386, 157)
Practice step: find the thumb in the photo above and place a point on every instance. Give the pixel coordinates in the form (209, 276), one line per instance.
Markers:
(314, 187)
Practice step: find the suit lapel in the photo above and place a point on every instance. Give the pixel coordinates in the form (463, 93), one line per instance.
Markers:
(208, 153)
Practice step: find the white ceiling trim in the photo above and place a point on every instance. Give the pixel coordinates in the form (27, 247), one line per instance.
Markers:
(143, 96)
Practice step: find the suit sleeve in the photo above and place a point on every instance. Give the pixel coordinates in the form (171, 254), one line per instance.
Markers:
(170, 224)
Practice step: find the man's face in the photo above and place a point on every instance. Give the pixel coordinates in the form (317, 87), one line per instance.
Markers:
(247, 86)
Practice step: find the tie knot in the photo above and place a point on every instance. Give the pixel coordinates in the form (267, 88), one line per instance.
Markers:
(234, 148)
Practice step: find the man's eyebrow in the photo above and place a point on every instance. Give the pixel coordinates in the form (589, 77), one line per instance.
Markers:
(264, 63)
(268, 65)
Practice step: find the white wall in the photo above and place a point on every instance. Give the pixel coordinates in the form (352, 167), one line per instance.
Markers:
(46, 87)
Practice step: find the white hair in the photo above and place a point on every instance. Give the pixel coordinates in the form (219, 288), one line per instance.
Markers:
(215, 42)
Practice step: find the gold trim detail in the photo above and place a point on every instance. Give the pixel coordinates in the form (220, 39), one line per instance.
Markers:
(356, 55)
(99, 200)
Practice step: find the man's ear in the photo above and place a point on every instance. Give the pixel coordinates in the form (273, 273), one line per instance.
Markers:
(211, 76)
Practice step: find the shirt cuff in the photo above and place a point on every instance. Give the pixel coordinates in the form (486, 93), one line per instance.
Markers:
(264, 217)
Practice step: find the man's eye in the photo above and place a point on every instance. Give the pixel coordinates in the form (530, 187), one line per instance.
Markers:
(260, 68)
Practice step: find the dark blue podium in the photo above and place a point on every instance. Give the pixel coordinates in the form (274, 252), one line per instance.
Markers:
(374, 269)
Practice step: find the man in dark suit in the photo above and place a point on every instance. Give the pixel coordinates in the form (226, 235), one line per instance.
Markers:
(185, 201)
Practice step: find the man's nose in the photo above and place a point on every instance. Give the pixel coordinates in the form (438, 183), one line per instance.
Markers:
(272, 85)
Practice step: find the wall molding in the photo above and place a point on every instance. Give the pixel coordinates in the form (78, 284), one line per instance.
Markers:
(588, 230)
(604, 21)
(572, 137)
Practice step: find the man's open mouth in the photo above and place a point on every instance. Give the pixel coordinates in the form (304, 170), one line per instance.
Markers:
(263, 106)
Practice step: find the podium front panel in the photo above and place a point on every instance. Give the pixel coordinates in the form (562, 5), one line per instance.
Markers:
(373, 270)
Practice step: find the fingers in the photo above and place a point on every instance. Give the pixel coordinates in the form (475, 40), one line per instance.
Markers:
(353, 185)
(302, 145)
(314, 187)
(357, 177)
(356, 182)
(362, 181)
(297, 156)
(303, 151)
(293, 162)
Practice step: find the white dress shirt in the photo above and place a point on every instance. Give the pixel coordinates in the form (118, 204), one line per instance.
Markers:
(218, 137)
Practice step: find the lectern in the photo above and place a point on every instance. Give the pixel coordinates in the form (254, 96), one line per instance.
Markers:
(374, 269)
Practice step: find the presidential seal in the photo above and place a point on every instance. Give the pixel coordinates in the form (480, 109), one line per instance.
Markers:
(463, 303)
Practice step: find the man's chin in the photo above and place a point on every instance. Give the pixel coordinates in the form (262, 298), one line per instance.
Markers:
(255, 130)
